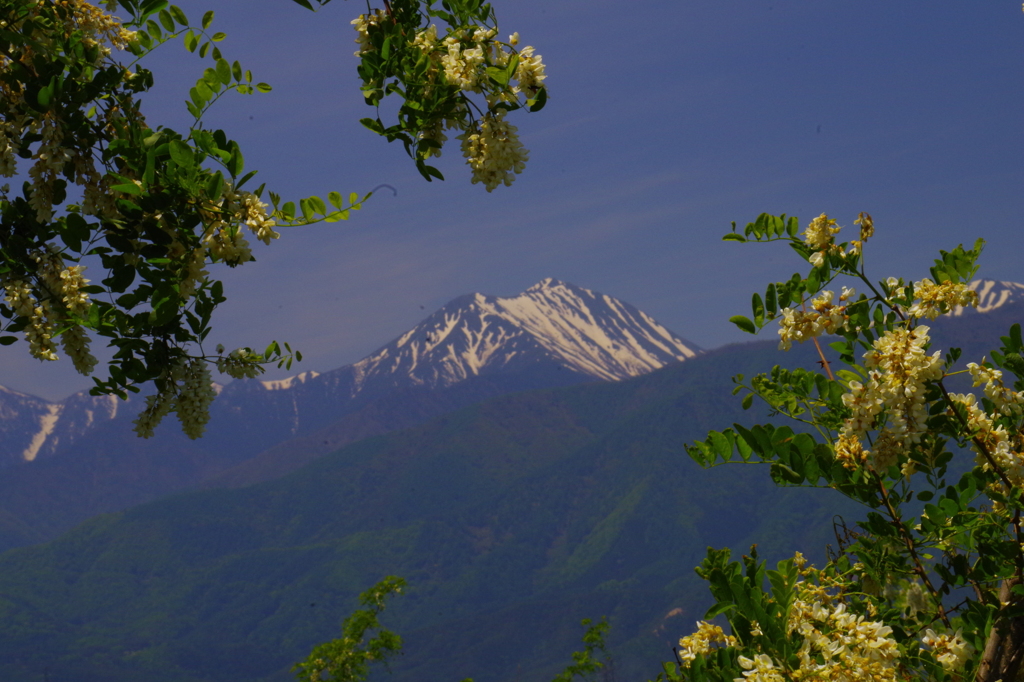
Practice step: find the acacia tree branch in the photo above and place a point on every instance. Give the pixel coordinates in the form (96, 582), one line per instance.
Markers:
(908, 540)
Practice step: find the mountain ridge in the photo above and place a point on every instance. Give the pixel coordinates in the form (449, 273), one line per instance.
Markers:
(552, 322)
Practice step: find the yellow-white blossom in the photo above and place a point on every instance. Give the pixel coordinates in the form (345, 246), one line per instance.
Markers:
(825, 317)
(494, 151)
(1007, 401)
(932, 300)
(241, 363)
(949, 650)
(707, 637)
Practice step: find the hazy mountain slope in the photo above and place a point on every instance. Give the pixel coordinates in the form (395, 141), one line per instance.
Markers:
(90, 461)
(512, 518)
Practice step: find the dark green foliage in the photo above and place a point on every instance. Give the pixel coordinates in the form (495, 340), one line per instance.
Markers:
(511, 520)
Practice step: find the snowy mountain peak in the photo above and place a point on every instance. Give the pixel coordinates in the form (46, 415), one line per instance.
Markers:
(552, 322)
(548, 283)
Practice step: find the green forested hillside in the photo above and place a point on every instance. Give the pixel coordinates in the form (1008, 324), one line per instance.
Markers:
(512, 520)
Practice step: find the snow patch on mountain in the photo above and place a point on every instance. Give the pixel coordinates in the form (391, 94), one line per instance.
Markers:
(290, 382)
(992, 295)
(46, 423)
(585, 332)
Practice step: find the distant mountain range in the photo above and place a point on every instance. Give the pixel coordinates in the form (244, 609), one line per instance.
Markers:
(83, 457)
(512, 519)
(513, 516)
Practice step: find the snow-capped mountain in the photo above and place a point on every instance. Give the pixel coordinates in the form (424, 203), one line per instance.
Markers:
(585, 332)
(552, 334)
(34, 428)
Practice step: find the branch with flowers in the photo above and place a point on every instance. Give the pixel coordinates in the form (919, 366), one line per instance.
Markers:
(461, 78)
(929, 586)
(154, 210)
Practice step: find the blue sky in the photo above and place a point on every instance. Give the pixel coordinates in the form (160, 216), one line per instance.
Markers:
(667, 120)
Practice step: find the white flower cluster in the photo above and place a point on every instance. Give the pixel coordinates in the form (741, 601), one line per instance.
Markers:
(707, 637)
(362, 24)
(463, 65)
(837, 644)
(1008, 402)
(51, 158)
(223, 237)
(186, 390)
(825, 317)
(62, 298)
(949, 650)
(194, 273)
(494, 151)
(1006, 451)
(820, 236)
(840, 645)
(10, 142)
(95, 28)
(898, 372)
(241, 363)
(491, 145)
(39, 332)
(932, 300)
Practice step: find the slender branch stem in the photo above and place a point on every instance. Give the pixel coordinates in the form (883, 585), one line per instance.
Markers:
(909, 542)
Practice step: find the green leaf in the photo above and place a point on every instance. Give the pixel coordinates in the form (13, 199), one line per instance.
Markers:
(500, 76)
(7, 340)
(215, 186)
(236, 71)
(246, 178)
(263, 87)
(288, 210)
(373, 124)
(1016, 343)
(191, 41)
(307, 209)
(224, 71)
(207, 19)
(748, 400)
(166, 19)
(165, 305)
(178, 15)
(770, 301)
(757, 306)
(203, 49)
(204, 90)
(128, 188)
(181, 153)
(743, 323)
(236, 164)
(217, 37)
(734, 237)
(336, 199)
(148, 7)
(44, 96)
(211, 79)
(318, 205)
(537, 102)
